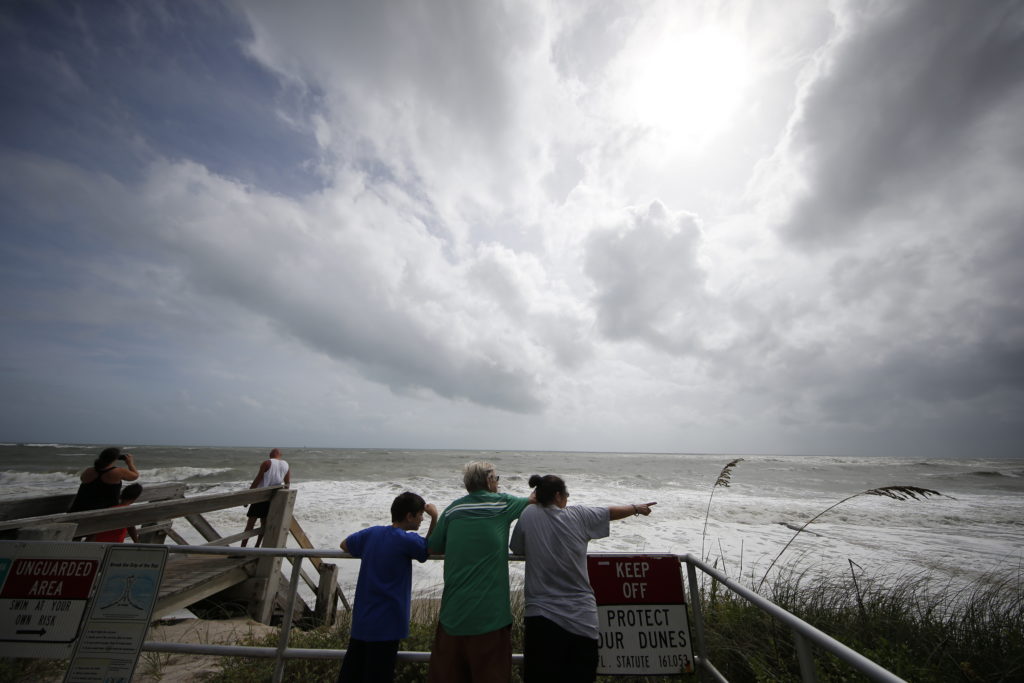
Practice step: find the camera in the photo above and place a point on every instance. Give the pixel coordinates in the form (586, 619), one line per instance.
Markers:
(123, 456)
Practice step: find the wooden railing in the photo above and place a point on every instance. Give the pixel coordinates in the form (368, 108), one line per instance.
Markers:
(155, 518)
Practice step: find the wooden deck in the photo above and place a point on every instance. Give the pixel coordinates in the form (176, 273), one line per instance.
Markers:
(191, 578)
(256, 582)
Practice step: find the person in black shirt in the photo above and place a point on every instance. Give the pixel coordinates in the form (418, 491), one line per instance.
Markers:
(101, 483)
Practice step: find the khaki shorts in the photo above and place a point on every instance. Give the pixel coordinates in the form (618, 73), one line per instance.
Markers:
(483, 658)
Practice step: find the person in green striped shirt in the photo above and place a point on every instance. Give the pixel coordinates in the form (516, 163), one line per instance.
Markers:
(473, 642)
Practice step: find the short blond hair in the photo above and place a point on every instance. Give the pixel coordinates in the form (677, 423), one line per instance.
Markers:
(476, 474)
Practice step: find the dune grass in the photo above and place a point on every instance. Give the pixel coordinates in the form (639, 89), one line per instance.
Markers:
(919, 630)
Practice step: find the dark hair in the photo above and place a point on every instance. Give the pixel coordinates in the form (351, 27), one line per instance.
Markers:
(405, 504)
(131, 492)
(547, 486)
(107, 456)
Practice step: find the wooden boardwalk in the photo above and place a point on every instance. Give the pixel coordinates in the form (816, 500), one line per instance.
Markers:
(191, 578)
(256, 582)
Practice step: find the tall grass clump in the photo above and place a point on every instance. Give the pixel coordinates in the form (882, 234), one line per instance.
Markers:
(915, 627)
(724, 477)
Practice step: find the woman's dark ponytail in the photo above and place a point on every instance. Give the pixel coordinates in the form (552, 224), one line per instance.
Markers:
(547, 486)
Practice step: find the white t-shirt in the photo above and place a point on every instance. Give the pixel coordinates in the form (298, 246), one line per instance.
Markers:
(275, 473)
(554, 541)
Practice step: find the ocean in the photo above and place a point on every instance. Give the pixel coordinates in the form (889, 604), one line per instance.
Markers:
(974, 529)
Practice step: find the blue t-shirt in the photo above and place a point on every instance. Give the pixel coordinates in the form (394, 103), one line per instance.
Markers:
(384, 588)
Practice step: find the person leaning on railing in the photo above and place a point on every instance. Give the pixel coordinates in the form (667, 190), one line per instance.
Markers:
(473, 640)
(561, 625)
(101, 483)
(273, 471)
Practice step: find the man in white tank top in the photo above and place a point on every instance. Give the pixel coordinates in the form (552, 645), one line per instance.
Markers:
(273, 472)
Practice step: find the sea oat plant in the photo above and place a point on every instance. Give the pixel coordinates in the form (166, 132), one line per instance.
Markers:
(894, 492)
(723, 480)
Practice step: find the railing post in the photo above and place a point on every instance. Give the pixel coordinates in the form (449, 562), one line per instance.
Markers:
(267, 569)
(698, 614)
(806, 658)
(326, 609)
(286, 623)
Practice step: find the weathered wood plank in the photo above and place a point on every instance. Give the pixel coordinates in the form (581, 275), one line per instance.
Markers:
(326, 608)
(37, 506)
(190, 578)
(204, 528)
(94, 521)
(275, 535)
(47, 532)
(300, 536)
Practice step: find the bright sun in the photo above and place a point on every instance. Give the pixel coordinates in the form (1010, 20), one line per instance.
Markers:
(688, 85)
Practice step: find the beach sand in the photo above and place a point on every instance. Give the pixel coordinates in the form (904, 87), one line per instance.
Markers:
(178, 668)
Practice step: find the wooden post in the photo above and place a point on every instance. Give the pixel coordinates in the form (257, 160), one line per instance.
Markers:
(327, 595)
(267, 577)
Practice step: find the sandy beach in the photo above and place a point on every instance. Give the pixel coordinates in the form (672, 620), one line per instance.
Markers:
(179, 668)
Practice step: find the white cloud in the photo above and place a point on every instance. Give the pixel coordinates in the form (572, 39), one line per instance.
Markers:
(498, 250)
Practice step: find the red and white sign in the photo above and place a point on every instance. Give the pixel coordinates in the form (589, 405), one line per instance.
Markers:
(50, 578)
(44, 590)
(641, 609)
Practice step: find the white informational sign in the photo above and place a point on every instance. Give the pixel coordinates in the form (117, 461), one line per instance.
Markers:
(44, 591)
(119, 615)
(641, 609)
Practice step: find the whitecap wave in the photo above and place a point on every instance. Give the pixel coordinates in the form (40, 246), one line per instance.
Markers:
(36, 479)
(171, 474)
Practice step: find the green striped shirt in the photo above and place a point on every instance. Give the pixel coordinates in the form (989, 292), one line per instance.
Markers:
(473, 535)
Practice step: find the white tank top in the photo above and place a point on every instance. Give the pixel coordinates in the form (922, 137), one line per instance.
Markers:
(275, 473)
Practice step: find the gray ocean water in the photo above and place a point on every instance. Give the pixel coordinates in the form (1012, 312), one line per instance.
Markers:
(974, 529)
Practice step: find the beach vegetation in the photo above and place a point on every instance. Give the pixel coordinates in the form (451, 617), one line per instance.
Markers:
(917, 628)
(23, 669)
(724, 477)
(910, 624)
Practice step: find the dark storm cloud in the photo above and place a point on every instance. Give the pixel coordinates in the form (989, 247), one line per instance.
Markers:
(900, 101)
(355, 292)
(908, 145)
(114, 85)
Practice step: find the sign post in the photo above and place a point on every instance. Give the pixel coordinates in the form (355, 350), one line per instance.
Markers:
(44, 591)
(119, 615)
(641, 611)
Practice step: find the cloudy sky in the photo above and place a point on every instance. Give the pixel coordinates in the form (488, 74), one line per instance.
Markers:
(771, 227)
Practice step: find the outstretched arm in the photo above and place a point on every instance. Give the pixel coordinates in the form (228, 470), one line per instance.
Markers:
(623, 511)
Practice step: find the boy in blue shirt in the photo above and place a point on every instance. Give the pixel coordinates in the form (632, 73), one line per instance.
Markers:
(384, 589)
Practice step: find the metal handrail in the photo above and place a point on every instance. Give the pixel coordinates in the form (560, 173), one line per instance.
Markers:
(802, 631)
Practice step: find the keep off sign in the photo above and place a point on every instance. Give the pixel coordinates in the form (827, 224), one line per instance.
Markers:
(44, 590)
(641, 611)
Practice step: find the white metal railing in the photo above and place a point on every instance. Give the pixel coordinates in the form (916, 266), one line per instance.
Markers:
(803, 633)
